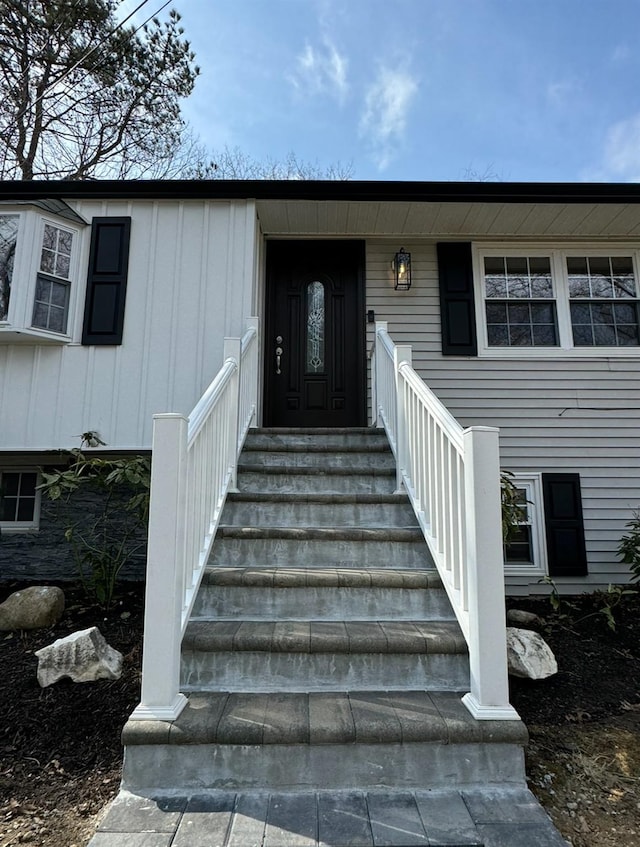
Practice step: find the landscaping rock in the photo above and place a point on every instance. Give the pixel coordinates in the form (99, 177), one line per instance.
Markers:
(83, 656)
(518, 617)
(529, 655)
(36, 607)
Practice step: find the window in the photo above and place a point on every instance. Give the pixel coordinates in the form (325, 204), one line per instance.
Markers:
(559, 299)
(19, 500)
(525, 554)
(51, 300)
(520, 309)
(604, 308)
(8, 238)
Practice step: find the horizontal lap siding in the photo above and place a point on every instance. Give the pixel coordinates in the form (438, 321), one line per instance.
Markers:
(580, 416)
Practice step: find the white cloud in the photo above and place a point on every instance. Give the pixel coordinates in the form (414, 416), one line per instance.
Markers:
(621, 157)
(559, 93)
(322, 70)
(386, 108)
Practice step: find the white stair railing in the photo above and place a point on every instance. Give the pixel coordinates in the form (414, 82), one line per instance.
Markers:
(452, 477)
(194, 464)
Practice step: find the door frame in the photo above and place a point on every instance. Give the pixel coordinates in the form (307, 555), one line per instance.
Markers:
(359, 249)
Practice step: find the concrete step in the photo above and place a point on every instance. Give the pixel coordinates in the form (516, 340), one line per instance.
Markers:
(354, 461)
(320, 479)
(319, 440)
(321, 594)
(323, 656)
(271, 509)
(347, 547)
(412, 739)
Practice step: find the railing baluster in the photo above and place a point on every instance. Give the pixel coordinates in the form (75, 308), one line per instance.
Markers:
(451, 481)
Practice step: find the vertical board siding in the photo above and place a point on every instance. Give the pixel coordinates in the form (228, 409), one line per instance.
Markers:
(570, 415)
(191, 283)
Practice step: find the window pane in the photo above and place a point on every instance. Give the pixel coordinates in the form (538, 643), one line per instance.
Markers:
(579, 286)
(520, 336)
(628, 335)
(62, 266)
(58, 294)
(25, 509)
(604, 336)
(625, 313)
(28, 484)
(544, 336)
(8, 239)
(541, 284)
(496, 313)
(542, 313)
(9, 508)
(10, 483)
(517, 266)
(56, 320)
(577, 265)
(315, 327)
(64, 242)
(40, 315)
(580, 313)
(494, 265)
(582, 336)
(43, 288)
(519, 314)
(496, 286)
(601, 284)
(497, 335)
(47, 261)
(602, 313)
(49, 237)
(518, 286)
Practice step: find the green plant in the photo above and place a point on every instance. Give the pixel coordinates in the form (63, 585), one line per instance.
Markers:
(103, 538)
(629, 547)
(604, 603)
(514, 511)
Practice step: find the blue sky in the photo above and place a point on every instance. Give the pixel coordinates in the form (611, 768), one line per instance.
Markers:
(423, 89)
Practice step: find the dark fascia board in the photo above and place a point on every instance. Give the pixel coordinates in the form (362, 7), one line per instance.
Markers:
(347, 190)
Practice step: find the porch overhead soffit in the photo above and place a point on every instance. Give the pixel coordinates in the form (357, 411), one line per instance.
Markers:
(379, 219)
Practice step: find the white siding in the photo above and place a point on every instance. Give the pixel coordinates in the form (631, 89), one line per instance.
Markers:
(191, 283)
(565, 415)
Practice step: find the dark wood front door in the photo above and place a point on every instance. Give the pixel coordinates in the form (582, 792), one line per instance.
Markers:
(314, 348)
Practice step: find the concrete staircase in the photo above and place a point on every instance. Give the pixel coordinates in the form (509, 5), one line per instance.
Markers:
(322, 655)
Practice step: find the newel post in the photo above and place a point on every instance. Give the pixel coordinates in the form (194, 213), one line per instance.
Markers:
(233, 351)
(254, 323)
(161, 698)
(489, 695)
(377, 375)
(401, 355)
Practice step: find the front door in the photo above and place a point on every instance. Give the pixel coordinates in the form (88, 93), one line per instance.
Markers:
(314, 348)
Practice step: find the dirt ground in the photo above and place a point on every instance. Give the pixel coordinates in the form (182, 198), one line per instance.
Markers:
(60, 751)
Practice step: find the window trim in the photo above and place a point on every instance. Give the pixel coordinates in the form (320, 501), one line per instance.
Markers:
(558, 255)
(532, 484)
(15, 527)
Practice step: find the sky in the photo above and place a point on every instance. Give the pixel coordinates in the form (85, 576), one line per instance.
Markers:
(509, 90)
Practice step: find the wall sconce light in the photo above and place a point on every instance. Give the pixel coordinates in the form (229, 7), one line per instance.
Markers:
(402, 268)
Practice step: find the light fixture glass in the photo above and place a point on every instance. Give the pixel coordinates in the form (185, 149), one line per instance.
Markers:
(402, 270)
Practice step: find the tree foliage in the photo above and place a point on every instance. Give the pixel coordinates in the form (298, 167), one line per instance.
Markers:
(83, 96)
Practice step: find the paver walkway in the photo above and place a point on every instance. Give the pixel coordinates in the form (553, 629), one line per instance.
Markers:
(468, 818)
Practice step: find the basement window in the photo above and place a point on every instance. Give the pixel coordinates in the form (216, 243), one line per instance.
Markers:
(19, 500)
(525, 553)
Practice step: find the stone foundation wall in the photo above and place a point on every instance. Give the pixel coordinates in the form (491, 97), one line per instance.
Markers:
(45, 554)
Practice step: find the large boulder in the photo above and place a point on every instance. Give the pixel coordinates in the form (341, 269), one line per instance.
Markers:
(36, 607)
(83, 656)
(529, 655)
(518, 617)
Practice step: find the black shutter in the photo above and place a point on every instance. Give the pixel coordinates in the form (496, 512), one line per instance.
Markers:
(566, 550)
(107, 281)
(457, 310)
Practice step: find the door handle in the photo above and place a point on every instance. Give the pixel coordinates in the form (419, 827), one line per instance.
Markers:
(279, 352)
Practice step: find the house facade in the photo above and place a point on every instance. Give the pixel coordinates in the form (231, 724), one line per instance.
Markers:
(522, 314)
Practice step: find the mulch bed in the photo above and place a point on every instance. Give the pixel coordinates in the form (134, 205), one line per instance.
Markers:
(60, 753)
